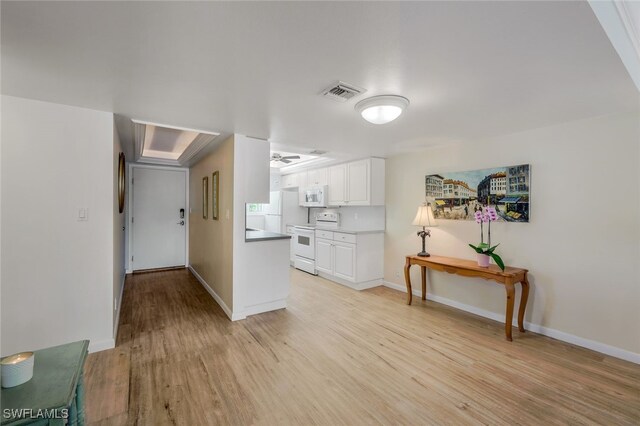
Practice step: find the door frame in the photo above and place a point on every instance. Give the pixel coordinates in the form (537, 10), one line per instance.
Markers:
(187, 209)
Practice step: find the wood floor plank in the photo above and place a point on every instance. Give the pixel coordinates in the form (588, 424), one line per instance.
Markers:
(336, 356)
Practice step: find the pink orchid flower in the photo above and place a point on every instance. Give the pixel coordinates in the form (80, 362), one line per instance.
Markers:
(491, 213)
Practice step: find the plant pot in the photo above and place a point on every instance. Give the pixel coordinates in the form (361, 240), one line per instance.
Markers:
(483, 260)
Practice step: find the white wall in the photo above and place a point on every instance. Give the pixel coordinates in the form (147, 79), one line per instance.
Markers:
(57, 272)
(582, 246)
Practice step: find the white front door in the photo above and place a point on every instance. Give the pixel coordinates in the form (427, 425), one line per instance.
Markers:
(159, 231)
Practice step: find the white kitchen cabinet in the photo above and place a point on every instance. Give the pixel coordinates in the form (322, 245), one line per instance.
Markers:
(324, 256)
(317, 177)
(289, 181)
(354, 260)
(302, 179)
(337, 181)
(302, 185)
(295, 180)
(359, 183)
(345, 260)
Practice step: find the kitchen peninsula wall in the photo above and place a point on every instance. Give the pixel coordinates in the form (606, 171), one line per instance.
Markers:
(244, 278)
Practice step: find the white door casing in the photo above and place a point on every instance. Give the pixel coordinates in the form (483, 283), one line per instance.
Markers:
(158, 233)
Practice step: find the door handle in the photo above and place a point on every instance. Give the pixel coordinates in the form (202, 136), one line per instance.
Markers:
(181, 223)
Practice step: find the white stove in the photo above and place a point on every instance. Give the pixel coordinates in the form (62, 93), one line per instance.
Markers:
(328, 220)
(305, 240)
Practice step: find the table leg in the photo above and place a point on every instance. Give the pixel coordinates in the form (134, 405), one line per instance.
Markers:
(407, 279)
(423, 271)
(509, 317)
(523, 302)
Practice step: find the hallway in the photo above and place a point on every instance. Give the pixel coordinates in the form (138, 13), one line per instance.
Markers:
(338, 356)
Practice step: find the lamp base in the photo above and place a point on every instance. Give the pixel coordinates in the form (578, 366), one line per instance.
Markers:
(422, 234)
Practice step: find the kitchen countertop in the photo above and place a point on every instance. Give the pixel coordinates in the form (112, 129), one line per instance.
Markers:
(258, 235)
(340, 229)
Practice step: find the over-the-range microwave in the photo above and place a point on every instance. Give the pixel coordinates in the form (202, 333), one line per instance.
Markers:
(314, 196)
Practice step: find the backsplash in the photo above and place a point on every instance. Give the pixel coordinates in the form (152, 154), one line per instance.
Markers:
(357, 217)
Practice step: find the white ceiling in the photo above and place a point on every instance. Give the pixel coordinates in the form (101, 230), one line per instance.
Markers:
(167, 143)
(470, 69)
(303, 159)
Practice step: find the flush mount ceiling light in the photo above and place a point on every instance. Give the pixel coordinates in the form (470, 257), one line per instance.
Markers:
(382, 109)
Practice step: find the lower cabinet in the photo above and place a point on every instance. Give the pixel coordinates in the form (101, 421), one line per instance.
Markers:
(350, 259)
(324, 256)
(336, 258)
(344, 265)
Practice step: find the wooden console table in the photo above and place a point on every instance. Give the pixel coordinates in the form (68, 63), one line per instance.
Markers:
(469, 268)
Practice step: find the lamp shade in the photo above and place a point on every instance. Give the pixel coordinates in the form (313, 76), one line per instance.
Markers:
(424, 217)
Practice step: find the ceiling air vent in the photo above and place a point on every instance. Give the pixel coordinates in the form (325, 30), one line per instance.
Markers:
(342, 92)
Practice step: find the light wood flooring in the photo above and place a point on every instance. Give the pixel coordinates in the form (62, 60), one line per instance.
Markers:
(336, 356)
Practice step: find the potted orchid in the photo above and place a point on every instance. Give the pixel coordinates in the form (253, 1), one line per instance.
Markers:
(485, 250)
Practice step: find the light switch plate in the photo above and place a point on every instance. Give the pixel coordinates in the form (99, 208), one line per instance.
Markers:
(83, 214)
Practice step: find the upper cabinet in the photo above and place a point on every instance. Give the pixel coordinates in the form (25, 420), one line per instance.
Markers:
(305, 178)
(337, 181)
(360, 183)
(289, 181)
(317, 177)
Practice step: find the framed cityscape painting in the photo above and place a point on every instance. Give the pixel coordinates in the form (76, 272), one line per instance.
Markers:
(458, 195)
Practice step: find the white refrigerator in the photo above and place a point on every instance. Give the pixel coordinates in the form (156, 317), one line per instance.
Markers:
(283, 209)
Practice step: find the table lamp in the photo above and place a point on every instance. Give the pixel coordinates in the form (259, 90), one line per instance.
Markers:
(424, 218)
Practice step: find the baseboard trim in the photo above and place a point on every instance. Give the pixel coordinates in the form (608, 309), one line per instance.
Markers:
(262, 308)
(117, 324)
(102, 345)
(356, 286)
(165, 269)
(536, 328)
(215, 296)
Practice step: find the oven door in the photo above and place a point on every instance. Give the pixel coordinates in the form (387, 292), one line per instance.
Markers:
(305, 243)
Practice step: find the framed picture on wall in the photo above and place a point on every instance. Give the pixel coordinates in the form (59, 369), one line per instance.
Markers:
(205, 197)
(458, 195)
(121, 181)
(215, 194)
